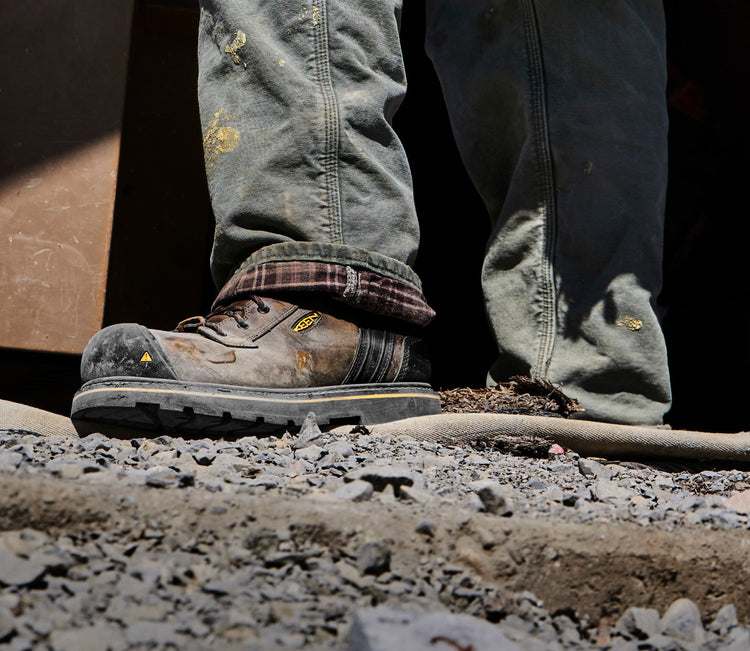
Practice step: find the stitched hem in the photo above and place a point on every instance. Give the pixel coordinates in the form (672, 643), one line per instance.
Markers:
(360, 288)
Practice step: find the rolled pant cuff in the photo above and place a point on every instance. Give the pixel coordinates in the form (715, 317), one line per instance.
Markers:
(354, 281)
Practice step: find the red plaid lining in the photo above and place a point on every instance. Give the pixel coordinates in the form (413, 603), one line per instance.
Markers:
(363, 289)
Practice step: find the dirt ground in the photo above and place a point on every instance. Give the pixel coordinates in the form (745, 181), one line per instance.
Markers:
(599, 568)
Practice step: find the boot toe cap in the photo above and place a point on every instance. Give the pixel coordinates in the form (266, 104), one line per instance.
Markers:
(124, 350)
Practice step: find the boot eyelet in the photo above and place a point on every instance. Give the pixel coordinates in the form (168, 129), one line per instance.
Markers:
(264, 309)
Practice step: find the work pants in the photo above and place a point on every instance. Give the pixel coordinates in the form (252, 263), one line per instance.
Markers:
(558, 111)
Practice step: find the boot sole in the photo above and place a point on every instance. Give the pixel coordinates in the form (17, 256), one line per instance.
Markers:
(215, 409)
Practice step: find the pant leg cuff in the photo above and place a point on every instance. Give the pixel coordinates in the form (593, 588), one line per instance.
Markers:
(361, 288)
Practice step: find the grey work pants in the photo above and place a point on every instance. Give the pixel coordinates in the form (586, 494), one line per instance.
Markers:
(558, 110)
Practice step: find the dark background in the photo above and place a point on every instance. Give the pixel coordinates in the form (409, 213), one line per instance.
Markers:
(159, 278)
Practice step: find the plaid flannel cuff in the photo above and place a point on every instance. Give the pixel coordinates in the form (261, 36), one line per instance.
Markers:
(363, 289)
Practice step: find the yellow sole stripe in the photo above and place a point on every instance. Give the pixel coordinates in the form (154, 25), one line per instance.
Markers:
(258, 399)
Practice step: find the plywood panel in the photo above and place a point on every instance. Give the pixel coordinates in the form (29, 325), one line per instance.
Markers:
(62, 87)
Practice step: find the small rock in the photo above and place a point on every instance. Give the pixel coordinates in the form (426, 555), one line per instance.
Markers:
(725, 620)
(88, 638)
(24, 542)
(351, 575)
(568, 633)
(418, 495)
(738, 639)
(605, 490)
(65, 468)
(554, 494)
(426, 528)
(54, 559)
(374, 558)
(309, 432)
(288, 558)
(17, 571)
(356, 491)
(7, 624)
(266, 480)
(385, 629)
(739, 502)
(310, 453)
(160, 634)
(10, 461)
(146, 449)
(262, 541)
(472, 502)
(387, 496)
(495, 498)
(639, 623)
(340, 448)
(166, 477)
(426, 461)
(556, 451)
(477, 460)
(682, 621)
(590, 468)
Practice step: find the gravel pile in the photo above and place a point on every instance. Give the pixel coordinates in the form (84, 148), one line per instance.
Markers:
(142, 587)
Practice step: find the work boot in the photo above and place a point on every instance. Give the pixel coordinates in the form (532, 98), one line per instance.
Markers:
(255, 365)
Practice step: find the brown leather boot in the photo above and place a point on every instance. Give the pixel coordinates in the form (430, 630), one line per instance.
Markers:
(256, 365)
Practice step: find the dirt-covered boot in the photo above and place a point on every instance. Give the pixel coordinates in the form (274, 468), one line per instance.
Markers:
(255, 365)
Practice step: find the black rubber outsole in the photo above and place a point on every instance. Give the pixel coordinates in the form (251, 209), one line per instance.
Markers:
(217, 410)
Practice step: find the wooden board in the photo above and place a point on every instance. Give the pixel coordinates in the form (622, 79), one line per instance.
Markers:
(62, 87)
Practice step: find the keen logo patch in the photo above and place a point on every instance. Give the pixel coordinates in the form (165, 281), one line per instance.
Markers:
(307, 321)
(146, 357)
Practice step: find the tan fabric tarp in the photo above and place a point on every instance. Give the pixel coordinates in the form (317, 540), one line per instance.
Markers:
(586, 437)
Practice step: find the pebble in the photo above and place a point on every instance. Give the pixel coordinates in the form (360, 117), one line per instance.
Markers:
(386, 629)
(309, 432)
(682, 621)
(495, 498)
(7, 623)
(145, 588)
(590, 469)
(310, 453)
(374, 558)
(356, 491)
(639, 623)
(739, 502)
(15, 571)
(605, 490)
(88, 638)
(725, 620)
(10, 461)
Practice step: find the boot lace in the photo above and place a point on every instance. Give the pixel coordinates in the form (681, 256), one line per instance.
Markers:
(214, 320)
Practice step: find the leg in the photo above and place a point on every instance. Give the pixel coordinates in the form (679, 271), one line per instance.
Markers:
(558, 110)
(313, 201)
(303, 165)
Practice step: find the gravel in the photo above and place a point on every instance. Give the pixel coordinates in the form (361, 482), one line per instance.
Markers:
(142, 586)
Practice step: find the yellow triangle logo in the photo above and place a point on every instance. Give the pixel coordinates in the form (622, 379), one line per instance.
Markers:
(146, 357)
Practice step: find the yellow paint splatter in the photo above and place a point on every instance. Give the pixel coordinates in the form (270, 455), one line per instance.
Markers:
(219, 139)
(316, 16)
(629, 322)
(240, 38)
(282, 63)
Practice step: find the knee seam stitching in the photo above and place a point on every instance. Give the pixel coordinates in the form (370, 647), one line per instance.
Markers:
(331, 119)
(545, 173)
